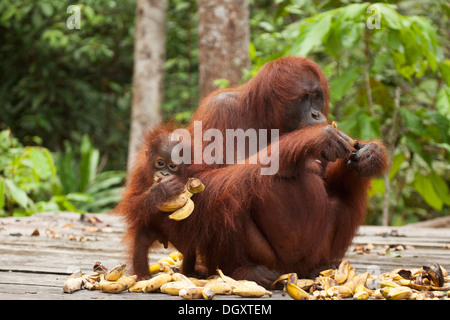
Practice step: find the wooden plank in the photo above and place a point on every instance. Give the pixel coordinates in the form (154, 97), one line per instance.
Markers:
(35, 267)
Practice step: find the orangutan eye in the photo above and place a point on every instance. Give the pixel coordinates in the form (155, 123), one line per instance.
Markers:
(159, 163)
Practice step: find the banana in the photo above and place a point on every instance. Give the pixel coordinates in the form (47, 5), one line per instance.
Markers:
(220, 287)
(173, 288)
(128, 281)
(359, 279)
(328, 273)
(73, 283)
(138, 286)
(156, 267)
(191, 293)
(208, 294)
(182, 278)
(361, 295)
(193, 185)
(342, 272)
(175, 202)
(251, 291)
(293, 290)
(176, 256)
(111, 286)
(156, 282)
(399, 293)
(342, 291)
(183, 212)
(115, 273)
(233, 283)
(296, 293)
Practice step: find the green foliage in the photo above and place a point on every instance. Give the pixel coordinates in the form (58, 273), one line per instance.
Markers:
(91, 189)
(67, 81)
(30, 181)
(406, 53)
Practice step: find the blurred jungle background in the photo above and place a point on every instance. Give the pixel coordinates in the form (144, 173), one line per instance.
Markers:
(66, 90)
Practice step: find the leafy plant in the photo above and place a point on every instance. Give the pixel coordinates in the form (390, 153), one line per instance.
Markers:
(30, 181)
(91, 189)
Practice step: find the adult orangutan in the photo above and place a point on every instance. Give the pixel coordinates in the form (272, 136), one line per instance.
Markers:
(300, 219)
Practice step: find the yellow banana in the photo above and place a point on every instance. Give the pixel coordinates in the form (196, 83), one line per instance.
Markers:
(175, 202)
(156, 267)
(115, 273)
(251, 291)
(361, 295)
(229, 280)
(173, 288)
(359, 279)
(111, 286)
(138, 286)
(220, 287)
(194, 185)
(182, 278)
(296, 293)
(73, 283)
(191, 293)
(208, 294)
(399, 293)
(156, 282)
(293, 290)
(342, 291)
(176, 256)
(183, 212)
(342, 272)
(128, 281)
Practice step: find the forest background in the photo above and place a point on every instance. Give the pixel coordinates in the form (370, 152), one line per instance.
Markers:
(66, 94)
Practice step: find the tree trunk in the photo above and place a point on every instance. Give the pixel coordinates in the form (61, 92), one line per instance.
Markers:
(223, 38)
(148, 73)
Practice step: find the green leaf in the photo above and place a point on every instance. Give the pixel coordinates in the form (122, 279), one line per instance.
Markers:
(424, 186)
(40, 163)
(397, 161)
(2, 193)
(340, 85)
(389, 17)
(312, 34)
(443, 102)
(440, 186)
(444, 67)
(19, 196)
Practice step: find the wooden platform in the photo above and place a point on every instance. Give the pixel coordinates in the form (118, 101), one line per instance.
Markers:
(36, 266)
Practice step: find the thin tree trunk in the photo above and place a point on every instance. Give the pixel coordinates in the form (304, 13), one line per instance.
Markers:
(148, 73)
(223, 37)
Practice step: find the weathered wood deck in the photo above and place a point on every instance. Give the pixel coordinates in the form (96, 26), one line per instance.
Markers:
(35, 267)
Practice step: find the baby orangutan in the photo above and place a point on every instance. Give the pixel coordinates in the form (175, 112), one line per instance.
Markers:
(154, 178)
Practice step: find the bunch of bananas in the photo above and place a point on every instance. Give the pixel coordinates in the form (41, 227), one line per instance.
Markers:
(182, 205)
